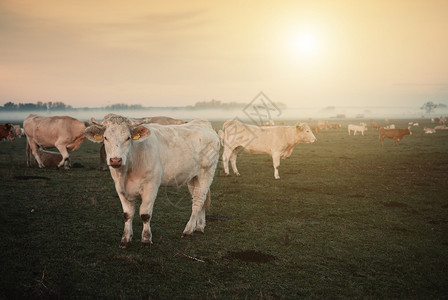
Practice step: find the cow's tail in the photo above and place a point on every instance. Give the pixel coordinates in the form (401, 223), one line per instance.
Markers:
(208, 200)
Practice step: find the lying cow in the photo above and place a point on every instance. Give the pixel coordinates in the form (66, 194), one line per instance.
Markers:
(144, 157)
(277, 141)
(63, 132)
(429, 130)
(159, 120)
(49, 158)
(395, 134)
(7, 132)
(357, 128)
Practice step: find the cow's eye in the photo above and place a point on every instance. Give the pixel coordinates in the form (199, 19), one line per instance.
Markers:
(128, 138)
(105, 138)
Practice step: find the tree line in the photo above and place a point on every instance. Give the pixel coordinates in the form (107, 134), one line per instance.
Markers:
(39, 106)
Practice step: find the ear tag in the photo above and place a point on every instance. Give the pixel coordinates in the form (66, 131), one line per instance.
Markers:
(98, 137)
(136, 137)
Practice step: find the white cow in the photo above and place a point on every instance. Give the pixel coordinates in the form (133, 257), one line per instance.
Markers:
(355, 128)
(277, 141)
(429, 130)
(142, 158)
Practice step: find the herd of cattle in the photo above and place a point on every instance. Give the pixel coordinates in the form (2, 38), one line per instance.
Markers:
(144, 154)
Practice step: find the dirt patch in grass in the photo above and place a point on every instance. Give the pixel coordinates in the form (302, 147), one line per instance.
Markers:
(251, 256)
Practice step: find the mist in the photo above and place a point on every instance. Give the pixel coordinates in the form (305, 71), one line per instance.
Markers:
(245, 114)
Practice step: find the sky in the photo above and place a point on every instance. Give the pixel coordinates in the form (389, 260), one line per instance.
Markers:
(174, 53)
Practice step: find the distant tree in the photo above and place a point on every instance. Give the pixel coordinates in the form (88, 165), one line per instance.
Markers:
(9, 106)
(429, 107)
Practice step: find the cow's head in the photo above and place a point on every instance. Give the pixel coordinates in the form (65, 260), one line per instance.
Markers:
(304, 133)
(118, 134)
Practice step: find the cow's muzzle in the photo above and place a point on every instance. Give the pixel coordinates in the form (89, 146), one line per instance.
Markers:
(115, 162)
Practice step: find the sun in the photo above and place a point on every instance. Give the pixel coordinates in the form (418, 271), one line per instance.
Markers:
(304, 43)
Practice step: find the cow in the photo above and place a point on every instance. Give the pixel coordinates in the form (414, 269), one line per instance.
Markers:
(49, 158)
(143, 157)
(335, 126)
(395, 134)
(316, 129)
(323, 125)
(147, 120)
(374, 126)
(429, 130)
(18, 131)
(355, 128)
(277, 141)
(63, 132)
(441, 127)
(7, 132)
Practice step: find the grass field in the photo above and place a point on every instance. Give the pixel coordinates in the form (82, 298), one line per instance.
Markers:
(347, 219)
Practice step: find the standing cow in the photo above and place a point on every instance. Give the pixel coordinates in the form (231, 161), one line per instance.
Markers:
(277, 141)
(144, 157)
(63, 132)
(395, 134)
(355, 128)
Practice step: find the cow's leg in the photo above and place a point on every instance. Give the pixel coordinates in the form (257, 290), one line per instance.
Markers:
(63, 150)
(128, 213)
(149, 194)
(276, 163)
(200, 188)
(34, 149)
(225, 159)
(233, 161)
(28, 154)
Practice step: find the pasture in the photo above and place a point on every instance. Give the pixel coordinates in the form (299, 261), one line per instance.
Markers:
(347, 219)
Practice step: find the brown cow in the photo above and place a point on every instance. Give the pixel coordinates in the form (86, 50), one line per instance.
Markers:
(7, 132)
(49, 158)
(395, 134)
(63, 132)
(159, 120)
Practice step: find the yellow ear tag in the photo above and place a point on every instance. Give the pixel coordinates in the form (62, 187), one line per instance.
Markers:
(136, 137)
(98, 137)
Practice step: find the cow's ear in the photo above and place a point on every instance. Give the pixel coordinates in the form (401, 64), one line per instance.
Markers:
(140, 133)
(94, 133)
(300, 126)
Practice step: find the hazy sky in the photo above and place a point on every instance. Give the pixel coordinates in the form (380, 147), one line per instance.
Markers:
(170, 53)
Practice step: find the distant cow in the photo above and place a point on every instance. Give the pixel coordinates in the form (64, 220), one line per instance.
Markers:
(395, 134)
(429, 130)
(143, 157)
(441, 127)
(63, 132)
(277, 141)
(357, 128)
(7, 132)
(18, 131)
(335, 126)
(148, 120)
(316, 129)
(374, 125)
(323, 125)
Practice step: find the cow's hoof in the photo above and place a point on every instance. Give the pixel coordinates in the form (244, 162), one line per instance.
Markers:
(146, 244)
(238, 174)
(124, 245)
(186, 235)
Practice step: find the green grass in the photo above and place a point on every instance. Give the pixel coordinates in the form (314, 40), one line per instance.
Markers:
(347, 219)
